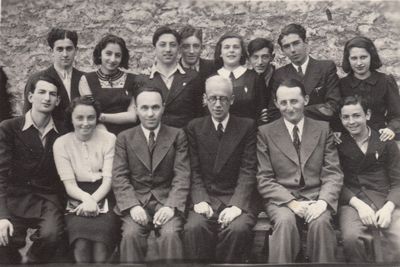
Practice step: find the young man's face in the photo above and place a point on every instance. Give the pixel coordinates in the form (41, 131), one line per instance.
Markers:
(149, 108)
(191, 50)
(64, 53)
(167, 49)
(294, 48)
(44, 98)
(291, 103)
(354, 119)
(261, 59)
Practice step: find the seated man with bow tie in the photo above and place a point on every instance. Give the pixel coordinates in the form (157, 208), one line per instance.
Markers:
(223, 161)
(299, 178)
(151, 181)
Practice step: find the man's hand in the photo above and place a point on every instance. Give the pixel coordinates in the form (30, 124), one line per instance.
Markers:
(228, 215)
(315, 210)
(298, 207)
(163, 215)
(386, 134)
(203, 208)
(139, 215)
(366, 213)
(6, 229)
(384, 215)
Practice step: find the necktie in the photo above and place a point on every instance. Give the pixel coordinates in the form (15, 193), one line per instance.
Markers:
(296, 143)
(300, 71)
(152, 142)
(232, 77)
(220, 131)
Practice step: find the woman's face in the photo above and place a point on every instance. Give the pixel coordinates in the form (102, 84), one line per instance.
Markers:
(231, 52)
(111, 57)
(84, 120)
(360, 61)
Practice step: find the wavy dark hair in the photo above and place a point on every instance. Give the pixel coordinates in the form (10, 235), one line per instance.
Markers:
(291, 83)
(56, 34)
(86, 100)
(258, 44)
(111, 39)
(361, 42)
(353, 100)
(217, 55)
(292, 28)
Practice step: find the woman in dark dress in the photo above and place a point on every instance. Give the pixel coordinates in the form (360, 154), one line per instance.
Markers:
(112, 87)
(361, 61)
(84, 162)
(251, 95)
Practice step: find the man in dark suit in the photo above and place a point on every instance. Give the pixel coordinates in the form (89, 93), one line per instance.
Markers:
(369, 204)
(191, 47)
(223, 161)
(299, 178)
(151, 181)
(5, 107)
(181, 88)
(30, 189)
(63, 45)
(318, 76)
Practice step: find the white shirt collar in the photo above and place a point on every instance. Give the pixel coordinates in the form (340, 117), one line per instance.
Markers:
(63, 73)
(147, 132)
(155, 69)
(239, 71)
(224, 122)
(29, 122)
(290, 127)
(303, 66)
(196, 65)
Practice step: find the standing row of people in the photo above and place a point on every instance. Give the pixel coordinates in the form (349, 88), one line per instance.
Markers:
(217, 161)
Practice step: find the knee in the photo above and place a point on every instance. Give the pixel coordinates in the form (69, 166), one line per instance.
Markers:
(51, 234)
(350, 237)
(129, 231)
(323, 222)
(239, 230)
(169, 233)
(194, 226)
(287, 220)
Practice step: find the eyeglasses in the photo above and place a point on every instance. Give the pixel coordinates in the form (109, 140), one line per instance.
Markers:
(213, 99)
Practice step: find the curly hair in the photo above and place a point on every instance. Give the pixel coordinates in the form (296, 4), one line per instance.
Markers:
(111, 39)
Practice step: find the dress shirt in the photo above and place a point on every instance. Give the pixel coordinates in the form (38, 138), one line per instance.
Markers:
(147, 132)
(195, 67)
(66, 76)
(303, 66)
(239, 71)
(168, 78)
(224, 123)
(42, 135)
(290, 127)
(363, 144)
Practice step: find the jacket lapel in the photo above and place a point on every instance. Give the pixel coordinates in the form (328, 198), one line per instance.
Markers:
(140, 148)
(178, 84)
(309, 140)
(62, 91)
(163, 143)
(75, 78)
(209, 139)
(312, 76)
(281, 137)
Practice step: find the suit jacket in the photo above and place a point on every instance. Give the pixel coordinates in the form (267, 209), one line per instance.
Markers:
(59, 112)
(279, 169)
(373, 177)
(135, 179)
(321, 83)
(223, 171)
(5, 109)
(207, 67)
(27, 170)
(183, 101)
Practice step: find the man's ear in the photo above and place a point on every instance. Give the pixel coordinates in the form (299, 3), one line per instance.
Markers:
(30, 97)
(306, 100)
(276, 103)
(58, 100)
(204, 100)
(232, 99)
(368, 114)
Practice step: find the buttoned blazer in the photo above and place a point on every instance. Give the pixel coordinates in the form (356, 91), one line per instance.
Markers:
(223, 172)
(279, 167)
(375, 174)
(183, 101)
(27, 170)
(136, 177)
(59, 112)
(321, 83)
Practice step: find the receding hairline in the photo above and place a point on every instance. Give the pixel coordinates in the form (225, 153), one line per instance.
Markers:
(219, 79)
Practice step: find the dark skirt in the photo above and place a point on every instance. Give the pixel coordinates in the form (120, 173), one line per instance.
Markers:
(103, 228)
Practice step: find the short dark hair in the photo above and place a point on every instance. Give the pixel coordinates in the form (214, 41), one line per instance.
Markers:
(46, 78)
(353, 100)
(111, 39)
(361, 42)
(292, 28)
(258, 44)
(217, 55)
(61, 34)
(292, 83)
(86, 100)
(165, 30)
(148, 89)
(189, 31)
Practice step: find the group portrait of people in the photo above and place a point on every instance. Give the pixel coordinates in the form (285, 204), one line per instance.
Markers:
(194, 150)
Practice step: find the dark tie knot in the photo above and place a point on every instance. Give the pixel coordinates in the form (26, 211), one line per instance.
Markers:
(152, 141)
(300, 71)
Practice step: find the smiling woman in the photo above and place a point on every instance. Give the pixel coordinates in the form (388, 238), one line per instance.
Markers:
(109, 85)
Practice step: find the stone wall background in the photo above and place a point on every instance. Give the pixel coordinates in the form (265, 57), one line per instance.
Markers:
(25, 24)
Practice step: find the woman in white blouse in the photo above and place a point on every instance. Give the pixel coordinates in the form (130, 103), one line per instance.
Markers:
(84, 162)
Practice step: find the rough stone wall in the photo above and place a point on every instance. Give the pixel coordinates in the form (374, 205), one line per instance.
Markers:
(25, 24)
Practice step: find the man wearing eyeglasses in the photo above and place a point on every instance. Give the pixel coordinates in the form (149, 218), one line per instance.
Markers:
(223, 161)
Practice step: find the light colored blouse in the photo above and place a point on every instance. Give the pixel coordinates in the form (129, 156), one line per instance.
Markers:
(87, 161)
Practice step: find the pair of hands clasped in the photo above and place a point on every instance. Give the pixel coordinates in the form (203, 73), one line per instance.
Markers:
(381, 218)
(87, 208)
(225, 217)
(309, 210)
(162, 216)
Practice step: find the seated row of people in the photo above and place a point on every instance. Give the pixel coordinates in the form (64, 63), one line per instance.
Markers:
(197, 188)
